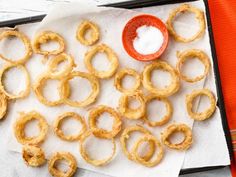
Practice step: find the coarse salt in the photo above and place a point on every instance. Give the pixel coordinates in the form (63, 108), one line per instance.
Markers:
(149, 40)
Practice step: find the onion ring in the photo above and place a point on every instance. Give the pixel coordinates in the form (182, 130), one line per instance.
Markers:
(22, 94)
(165, 118)
(205, 114)
(3, 105)
(102, 133)
(69, 158)
(82, 29)
(91, 98)
(33, 155)
(128, 112)
(121, 74)
(148, 163)
(199, 16)
(26, 42)
(59, 121)
(182, 57)
(19, 128)
(111, 56)
(87, 158)
(185, 144)
(54, 62)
(126, 135)
(45, 37)
(38, 89)
(168, 90)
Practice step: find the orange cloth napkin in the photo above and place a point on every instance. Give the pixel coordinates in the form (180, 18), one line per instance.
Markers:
(223, 17)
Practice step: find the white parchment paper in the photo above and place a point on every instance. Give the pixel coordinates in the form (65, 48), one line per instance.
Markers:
(64, 20)
(209, 134)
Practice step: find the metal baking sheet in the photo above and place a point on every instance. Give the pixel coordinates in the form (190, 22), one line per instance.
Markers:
(148, 3)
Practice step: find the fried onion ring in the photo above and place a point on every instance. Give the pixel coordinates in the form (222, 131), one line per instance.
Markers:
(94, 115)
(165, 118)
(182, 57)
(24, 39)
(33, 155)
(23, 93)
(161, 92)
(111, 56)
(69, 158)
(19, 128)
(64, 87)
(148, 163)
(128, 112)
(54, 62)
(121, 74)
(205, 114)
(125, 137)
(183, 128)
(3, 105)
(87, 158)
(38, 89)
(83, 28)
(45, 37)
(59, 121)
(199, 16)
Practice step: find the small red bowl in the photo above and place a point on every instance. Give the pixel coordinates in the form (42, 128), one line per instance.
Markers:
(129, 34)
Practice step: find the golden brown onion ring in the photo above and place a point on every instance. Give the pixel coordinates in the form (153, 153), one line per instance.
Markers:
(121, 74)
(128, 112)
(66, 156)
(24, 39)
(111, 56)
(64, 87)
(94, 115)
(38, 89)
(182, 9)
(59, 121)
(87, 158)
(45, 37)
(183, 128)
(83, 28)
(192, 53)
(69, 115)
(3, 105)
(161, 92)
(165, 118)
(23, 93)
(158, 157)
(205, 114)
(125, 137)
(33, 155)
(19, 128)
(54, 62)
